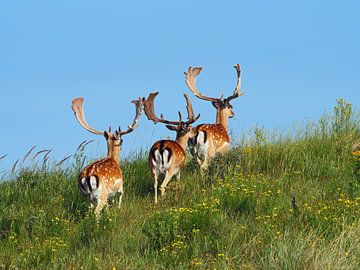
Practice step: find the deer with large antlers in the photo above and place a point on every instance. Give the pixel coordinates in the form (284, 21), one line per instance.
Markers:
(211, 139)
(103, 178)
(167, 157)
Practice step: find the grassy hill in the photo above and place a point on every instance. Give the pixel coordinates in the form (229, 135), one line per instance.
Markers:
(276, 201)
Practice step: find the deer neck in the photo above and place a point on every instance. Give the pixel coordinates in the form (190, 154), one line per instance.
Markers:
(183, 140)
(222, 118)
(114, 153)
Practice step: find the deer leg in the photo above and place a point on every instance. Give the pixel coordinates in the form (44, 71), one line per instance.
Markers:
(177, 180)
(121, 193)
(167, 179)
(177, 183)
(155, 176)
(204, 165)
(100, 205)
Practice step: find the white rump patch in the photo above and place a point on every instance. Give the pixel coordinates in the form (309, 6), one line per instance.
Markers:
(83, 186)
(88, 187)
(94, 196)
(157, 160)
(166, 161)
(161, 162)
(165, 157)
(201, 146)
(93, 183)
(201, 138)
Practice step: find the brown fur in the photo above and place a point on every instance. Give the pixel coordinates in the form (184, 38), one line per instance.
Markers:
(177, 152)
(217, 139)
(106, 169)
(108, 172)
(176, 149)
(215, 132)
(177, 159)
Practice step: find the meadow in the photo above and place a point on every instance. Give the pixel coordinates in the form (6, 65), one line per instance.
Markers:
(277, 200)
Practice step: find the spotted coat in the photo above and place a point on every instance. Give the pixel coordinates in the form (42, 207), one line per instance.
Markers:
(210, 139)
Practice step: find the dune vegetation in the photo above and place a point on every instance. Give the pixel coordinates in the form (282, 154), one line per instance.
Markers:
(277, 200)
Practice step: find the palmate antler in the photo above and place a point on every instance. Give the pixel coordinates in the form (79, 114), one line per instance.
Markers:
(150, 112)
(77, 107)
(237, 91)
(190, 80)
(135, 124)
(191, 118)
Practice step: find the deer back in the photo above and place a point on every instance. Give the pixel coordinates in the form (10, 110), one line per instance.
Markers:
(215, 134)
(106, 170)
(176, 153)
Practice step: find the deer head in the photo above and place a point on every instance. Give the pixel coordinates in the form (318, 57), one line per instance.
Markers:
(114, 139)
(182, 128)
(221, 104)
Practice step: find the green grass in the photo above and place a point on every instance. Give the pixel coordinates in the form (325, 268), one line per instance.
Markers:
(276, 201)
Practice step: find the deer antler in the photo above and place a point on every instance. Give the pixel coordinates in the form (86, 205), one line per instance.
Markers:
(237, 91)
(191, 118)
(77, 107)
(138, 110)
(190, 80)
(150, 113)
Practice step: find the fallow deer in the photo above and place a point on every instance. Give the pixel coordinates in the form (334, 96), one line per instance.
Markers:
(211, 139)
(167, 157)
(103, 178)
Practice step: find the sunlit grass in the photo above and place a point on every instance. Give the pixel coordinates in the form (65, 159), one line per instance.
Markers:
(276, 201)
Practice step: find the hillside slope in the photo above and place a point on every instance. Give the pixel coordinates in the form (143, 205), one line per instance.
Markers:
(274, 202)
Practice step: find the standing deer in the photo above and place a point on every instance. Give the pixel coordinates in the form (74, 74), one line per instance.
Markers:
(167, 157)
(211, 139)
(103, 178)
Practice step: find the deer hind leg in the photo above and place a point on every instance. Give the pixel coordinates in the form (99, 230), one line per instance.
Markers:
(177, 175)
(202, 151)
(120, 191)
(177, 184)
(155, 176)
(167, 179)
(204, 165)
(167, 169)
(101, 203)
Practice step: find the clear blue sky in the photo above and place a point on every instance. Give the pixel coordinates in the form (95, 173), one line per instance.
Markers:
(297, 58)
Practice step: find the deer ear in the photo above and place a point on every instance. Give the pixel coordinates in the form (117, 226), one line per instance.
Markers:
(171, 127)
(217, 104)
(106, 135)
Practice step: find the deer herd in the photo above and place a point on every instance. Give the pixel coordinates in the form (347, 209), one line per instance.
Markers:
(103, 178)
